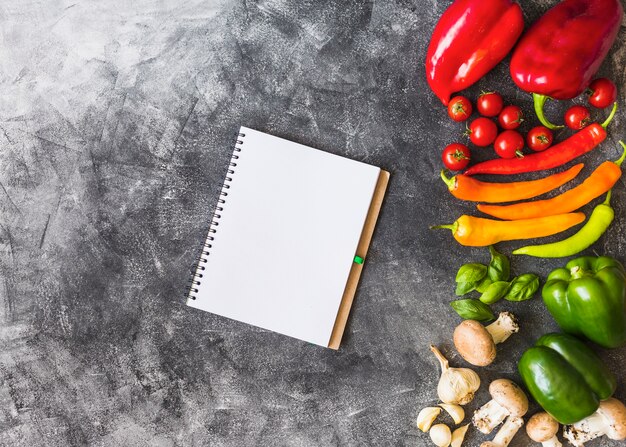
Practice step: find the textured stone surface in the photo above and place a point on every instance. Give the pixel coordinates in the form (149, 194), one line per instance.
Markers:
(116, 122)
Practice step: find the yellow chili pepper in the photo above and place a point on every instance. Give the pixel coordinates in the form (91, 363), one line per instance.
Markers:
(479, 232)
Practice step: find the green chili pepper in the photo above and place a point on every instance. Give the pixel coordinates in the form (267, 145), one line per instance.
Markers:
(601, 218)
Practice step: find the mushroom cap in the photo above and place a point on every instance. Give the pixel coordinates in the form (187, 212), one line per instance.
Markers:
(489, 444)
(510, 396)
(542, 427)
(474, 343)
(615, 413)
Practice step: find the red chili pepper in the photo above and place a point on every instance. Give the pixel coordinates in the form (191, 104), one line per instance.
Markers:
(471, 37)
(578, 144)
(563, 50)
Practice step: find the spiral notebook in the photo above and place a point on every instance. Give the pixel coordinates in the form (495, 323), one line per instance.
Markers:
(288, 239)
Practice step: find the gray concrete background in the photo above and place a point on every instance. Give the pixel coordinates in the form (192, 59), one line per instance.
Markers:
(116, 122)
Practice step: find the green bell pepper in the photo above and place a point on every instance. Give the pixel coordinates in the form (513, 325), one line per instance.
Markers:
(566, 377)
(588, 298)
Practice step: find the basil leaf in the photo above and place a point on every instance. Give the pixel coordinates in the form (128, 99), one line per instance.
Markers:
(495, 292)
(464, 287)
(471, 273)
(482, 286)
(469, 309)
(499, 267)
(523, 287)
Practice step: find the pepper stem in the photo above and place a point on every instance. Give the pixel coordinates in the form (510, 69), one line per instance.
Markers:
(607, 200)
(451, 182)
(610, 118)
(540, 101)
(453, 227)
(620, 160)
(577, 272)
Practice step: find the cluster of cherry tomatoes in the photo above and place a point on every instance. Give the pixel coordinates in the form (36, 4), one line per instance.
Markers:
(509, 143)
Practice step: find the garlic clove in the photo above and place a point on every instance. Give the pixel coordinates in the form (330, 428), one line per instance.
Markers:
(458, 436)
(440, 434)
(426, 417)
(455, 411)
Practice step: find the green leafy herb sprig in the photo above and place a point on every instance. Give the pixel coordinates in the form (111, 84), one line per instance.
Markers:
(492, 282)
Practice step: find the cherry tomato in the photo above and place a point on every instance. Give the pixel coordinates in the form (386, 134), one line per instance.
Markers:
(509, 144)
(577, 117)
(482, 132)
(511, 117)
(539, 138)
(460, 108)
(602, 93)
(456, 156)
(489, 104)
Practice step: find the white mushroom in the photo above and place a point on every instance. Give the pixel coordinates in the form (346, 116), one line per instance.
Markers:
(477, 343)
(609, 419)
(507, 399)
(542, 427)
(506, 433)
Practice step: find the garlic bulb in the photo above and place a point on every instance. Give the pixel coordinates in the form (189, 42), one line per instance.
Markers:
(456, 385)
(440, 434)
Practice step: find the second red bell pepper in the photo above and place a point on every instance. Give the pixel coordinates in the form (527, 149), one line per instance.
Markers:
(471, 37)
(562, 51)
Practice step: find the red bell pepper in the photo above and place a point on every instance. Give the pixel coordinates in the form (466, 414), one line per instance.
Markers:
(471, 37)
(563, 50)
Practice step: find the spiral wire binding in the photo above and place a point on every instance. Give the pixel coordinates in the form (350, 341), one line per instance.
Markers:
(196, 278)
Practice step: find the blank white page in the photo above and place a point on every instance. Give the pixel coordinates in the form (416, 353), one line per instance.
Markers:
(286, 238)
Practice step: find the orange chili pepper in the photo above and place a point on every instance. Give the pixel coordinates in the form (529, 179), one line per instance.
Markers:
(600, 181)
(465, 187)
(478, 232)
